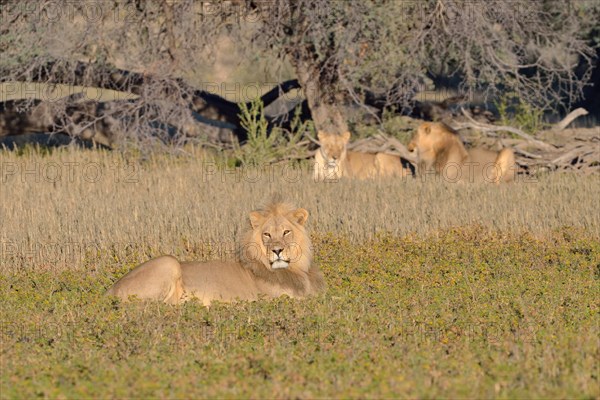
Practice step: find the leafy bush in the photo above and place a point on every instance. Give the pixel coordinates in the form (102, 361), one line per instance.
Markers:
(516, 112)
(266, 146)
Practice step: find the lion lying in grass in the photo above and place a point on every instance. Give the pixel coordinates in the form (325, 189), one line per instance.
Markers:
(275, 258)
(440, 151)
(333, 160)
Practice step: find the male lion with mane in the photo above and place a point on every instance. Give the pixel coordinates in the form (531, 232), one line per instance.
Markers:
(275, 258)
(439, 149)
(333, 160)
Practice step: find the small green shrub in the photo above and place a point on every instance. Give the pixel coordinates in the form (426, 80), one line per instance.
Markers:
(515, 112)
(267, 147)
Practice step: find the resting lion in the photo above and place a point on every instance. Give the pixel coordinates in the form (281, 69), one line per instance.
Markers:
(440, 151)
(275, 258)
(333, 161)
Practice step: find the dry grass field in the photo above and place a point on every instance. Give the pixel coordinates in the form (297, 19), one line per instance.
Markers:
(434, 289)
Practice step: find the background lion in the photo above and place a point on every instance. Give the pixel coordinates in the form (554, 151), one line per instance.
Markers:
(333, 160)
(440, 150)
(275, 258)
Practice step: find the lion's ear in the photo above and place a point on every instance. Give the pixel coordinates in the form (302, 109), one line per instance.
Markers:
(300, 216)
(427, 129)
(256, 218)
(346, 136)
(321, 135)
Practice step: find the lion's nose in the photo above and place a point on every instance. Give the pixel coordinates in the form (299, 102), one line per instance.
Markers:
(278, 251)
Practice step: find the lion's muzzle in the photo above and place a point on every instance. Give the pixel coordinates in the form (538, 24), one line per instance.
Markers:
(280, 264)
(278, 260)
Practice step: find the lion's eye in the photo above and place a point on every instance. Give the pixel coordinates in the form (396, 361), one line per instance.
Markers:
(267, 234)
(286, 232)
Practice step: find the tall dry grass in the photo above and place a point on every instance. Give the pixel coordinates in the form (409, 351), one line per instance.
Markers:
(60, 209)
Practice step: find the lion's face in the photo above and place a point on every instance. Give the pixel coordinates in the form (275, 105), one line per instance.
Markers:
(333, 150)
(278, 239)
(428, 140)
(424, 139)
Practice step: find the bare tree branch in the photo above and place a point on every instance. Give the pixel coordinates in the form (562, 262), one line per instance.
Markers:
(573, 115)
(494, 128)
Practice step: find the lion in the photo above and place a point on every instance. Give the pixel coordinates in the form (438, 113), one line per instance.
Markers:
(440, 151)
(274, 259)
(333, 160)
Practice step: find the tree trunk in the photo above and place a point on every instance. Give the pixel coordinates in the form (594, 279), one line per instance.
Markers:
(326, 115)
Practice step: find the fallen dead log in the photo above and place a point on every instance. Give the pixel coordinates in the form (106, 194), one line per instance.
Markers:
(581, 156)
(207, 105)
(496, 128)
(579, 112)
(527, 154)
(578, 152)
